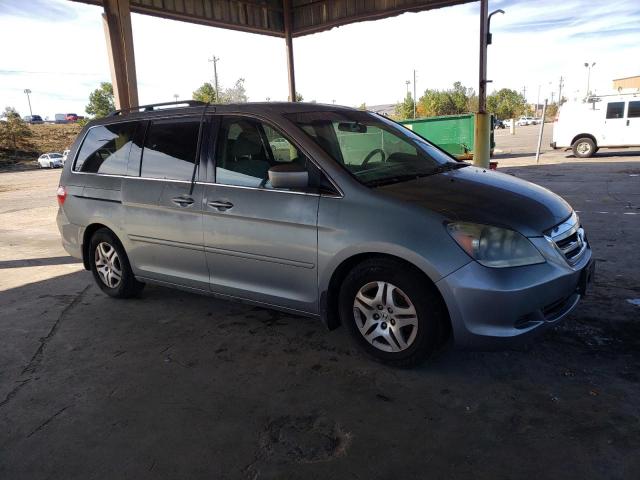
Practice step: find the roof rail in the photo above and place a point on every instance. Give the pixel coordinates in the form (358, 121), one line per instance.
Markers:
(151, 107)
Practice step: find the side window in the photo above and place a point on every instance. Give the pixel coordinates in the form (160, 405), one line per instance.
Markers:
(247, 148)
(634, 110)
(106, 149)
(615, 110)
(170, 149)
(373, 145)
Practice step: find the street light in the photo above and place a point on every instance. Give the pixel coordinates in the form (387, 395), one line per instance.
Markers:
(175, 95)
(408, 82)
(589, 67)
(27, 91)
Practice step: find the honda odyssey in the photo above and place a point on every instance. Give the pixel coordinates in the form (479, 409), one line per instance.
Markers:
(351, 218)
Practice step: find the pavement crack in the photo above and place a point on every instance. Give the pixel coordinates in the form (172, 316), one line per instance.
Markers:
(47, 421)
(14, 391)
(37, 356)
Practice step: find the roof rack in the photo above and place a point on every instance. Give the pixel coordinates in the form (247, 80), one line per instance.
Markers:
(151, 107)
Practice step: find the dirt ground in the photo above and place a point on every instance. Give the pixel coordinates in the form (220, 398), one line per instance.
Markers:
(174, 385)
(44, 138)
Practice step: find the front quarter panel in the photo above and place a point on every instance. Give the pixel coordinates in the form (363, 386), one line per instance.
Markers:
(366, 222)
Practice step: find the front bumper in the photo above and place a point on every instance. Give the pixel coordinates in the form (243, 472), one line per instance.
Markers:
(497, 308)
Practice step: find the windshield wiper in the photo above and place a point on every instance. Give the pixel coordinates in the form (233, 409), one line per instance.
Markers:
(445, 167)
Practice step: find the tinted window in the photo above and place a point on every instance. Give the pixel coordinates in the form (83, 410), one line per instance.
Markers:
(615, 110)
(634, 110)
(247, 148)
(106, 149)
(170, 149)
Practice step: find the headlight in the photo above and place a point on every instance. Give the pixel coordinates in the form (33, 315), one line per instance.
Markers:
(493, 246)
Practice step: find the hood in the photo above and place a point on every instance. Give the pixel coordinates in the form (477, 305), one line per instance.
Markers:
(483, 196)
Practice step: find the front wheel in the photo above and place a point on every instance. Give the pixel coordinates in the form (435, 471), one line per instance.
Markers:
(584, 147)
(392, 311)
(110, 266)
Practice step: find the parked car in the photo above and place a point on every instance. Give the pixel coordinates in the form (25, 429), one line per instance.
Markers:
(507, 122)
(524, 121)
(403, 245)
(65, 154)
(498, 124)
(71, 117)
(50, 160)
(607, 122)
(537, 120)
(33, 119)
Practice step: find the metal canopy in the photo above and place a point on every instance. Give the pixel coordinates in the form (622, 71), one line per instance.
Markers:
(268, 16)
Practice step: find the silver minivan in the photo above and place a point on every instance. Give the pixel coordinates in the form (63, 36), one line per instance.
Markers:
(324, 211)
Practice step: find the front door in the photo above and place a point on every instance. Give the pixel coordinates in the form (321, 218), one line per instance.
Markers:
(163, 214)
(260, 242)
(614, 125)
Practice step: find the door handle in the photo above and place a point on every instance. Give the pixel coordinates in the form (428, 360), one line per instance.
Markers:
(182, 201)
(627, 123)
(222, 206)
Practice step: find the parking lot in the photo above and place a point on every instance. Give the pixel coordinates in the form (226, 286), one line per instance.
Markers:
(175, 385)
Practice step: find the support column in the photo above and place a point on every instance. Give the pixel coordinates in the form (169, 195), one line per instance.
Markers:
(288, 27)
(119, 36)
(482, 142)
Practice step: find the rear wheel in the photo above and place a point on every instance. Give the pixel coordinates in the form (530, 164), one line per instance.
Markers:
(392, 312)
(584, 147)
(110, 266)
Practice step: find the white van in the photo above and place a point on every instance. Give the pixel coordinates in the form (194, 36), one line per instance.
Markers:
(603, 122)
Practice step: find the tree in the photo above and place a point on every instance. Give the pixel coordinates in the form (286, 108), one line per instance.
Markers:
(506, 103)
(205, 93)
(299, 97)
(453, 101)
(235, 94)
(363, 106)
(101, 101)
(404, 109)
(14, 132)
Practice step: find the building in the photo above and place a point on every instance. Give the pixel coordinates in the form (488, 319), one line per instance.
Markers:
(627, 83)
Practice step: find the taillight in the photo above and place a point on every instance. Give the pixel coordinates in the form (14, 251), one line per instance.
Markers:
(61, 193)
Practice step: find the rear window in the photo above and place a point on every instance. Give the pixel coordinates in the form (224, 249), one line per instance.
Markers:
(170, 149)
(615, 110)
(106, 149)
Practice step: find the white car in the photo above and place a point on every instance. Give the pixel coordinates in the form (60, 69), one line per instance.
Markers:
(50, 160)
(65, 154)
(604, 122)
(523, 121)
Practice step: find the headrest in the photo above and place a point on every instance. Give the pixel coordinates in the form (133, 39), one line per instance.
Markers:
(248, 143)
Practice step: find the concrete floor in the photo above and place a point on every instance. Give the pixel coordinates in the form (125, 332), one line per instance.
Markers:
(174, 385)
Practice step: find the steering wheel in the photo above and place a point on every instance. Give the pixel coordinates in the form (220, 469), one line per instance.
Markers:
(372, 154)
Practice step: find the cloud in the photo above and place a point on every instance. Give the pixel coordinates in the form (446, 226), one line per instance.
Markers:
(48, 10)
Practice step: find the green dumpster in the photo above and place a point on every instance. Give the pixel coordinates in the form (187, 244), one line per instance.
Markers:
(453, 133)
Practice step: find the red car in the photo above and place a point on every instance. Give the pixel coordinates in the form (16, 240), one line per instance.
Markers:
(71, 117)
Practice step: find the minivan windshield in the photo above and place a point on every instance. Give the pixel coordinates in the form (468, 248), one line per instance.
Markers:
(374, 149)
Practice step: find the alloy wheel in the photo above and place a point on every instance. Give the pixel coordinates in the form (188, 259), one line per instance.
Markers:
(108, 265)
(385, 316)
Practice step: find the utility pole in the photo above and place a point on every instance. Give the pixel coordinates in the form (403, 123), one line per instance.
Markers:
(214, 60)
(175, 95)
(27, 91)
(538, 100)
(552, 94)
(415, 100)
(544, 112)
(560, 90)
(589, 67)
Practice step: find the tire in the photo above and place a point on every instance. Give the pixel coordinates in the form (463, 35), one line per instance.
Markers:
(584, 147)
(110, 266)
(424, 314)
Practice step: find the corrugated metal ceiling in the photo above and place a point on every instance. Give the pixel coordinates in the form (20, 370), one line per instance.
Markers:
(267, 16)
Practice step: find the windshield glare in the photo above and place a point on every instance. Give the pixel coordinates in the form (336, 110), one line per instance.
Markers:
(374, 149)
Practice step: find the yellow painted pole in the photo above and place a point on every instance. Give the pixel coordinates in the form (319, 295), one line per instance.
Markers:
(482, 140)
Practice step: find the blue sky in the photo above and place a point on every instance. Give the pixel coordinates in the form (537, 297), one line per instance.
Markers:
(60, 53)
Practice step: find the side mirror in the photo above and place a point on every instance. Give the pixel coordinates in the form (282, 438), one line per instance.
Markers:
(288, 175)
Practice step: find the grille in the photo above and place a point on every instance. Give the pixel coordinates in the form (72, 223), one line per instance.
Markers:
(569, 239)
